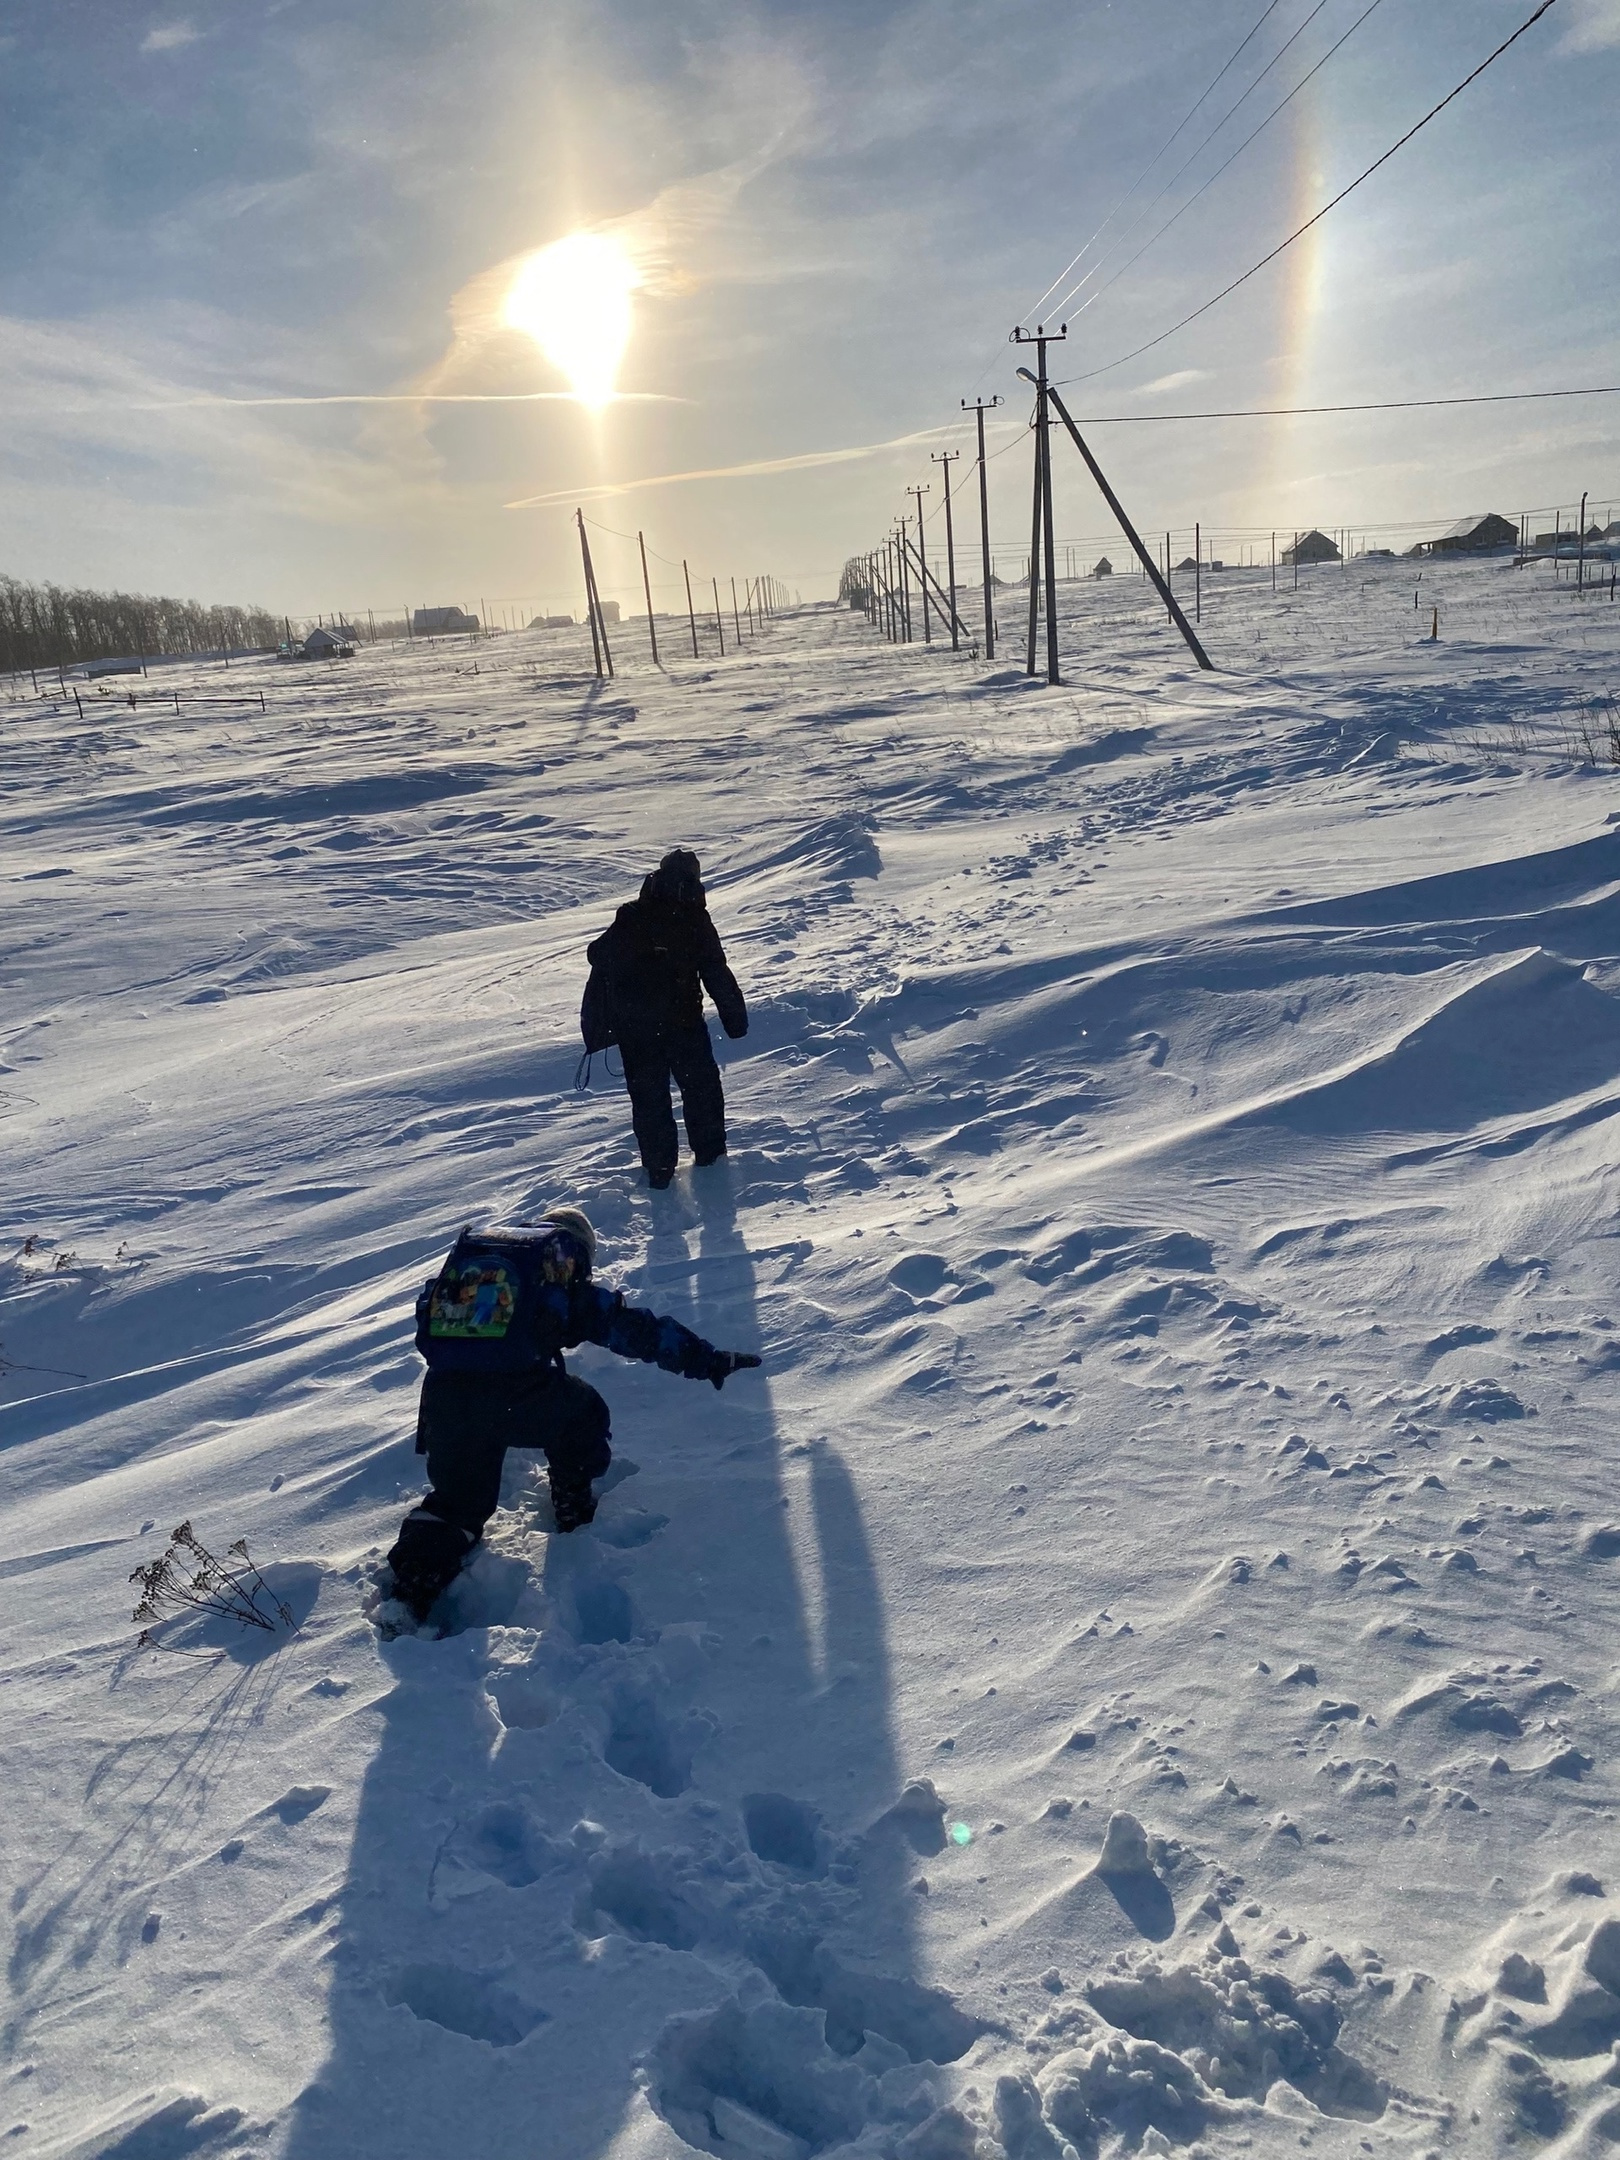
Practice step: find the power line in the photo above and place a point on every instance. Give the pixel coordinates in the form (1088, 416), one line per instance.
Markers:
(1293, 412)
(1255, 268)
(1286, 46)
(1159, 153)
(1154, 238)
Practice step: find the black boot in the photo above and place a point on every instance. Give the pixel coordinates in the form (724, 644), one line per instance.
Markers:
(572, 1502)
(426, 1559)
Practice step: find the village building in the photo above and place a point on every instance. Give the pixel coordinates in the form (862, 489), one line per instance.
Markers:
(1472, 536)
(1312, 547)
(1104, 567)
(442, 622)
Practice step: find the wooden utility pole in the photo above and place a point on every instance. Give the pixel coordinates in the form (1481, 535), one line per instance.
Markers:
(944, 460)
(978, 408)
(646, 586)
(1131, 534)
(593, 607)
(1580, 556)
(1040, 339)
(905, 590)
(922, 559)
(718, 623)
(1198, 571)
(691, 612)
(736, 619)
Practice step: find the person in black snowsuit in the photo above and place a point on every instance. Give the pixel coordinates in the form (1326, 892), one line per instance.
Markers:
(523, 1296)
(654, 962)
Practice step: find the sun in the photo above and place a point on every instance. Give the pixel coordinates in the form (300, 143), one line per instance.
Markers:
(573, 299)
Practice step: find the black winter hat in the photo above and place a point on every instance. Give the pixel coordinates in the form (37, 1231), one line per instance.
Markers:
(678, 877)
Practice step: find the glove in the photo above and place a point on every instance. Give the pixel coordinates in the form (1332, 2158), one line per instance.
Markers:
(725, 1362)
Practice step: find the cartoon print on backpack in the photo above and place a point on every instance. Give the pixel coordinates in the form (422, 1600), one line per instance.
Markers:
(480, 1300)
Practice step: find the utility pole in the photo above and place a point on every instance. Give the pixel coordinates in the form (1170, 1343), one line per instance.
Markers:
(905, 590)
(748, 603)
(944, 459)
(1580, 557)
(1296, 562)
(646, 586)
(736, 619)
(593, 606)
(978, 408)
(922, 558)
(1130, 532)
(1198, 571)
(718, 624)
(1040, 339)
(691, 613)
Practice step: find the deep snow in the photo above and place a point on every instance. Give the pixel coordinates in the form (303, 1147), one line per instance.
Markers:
(1172, 1188)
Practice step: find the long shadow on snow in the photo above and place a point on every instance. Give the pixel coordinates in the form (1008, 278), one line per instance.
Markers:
(651, 1819)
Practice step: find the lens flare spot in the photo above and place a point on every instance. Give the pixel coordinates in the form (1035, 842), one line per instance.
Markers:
(573, 299)
(961, 1834)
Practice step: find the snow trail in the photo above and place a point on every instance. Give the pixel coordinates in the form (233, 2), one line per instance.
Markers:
(1136, 1665)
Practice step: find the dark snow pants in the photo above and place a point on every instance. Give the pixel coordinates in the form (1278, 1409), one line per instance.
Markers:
(650, 1063)
(466, 1424)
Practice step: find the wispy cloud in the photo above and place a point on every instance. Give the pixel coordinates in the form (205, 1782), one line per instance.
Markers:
(1595, 25)
(169, 36)
(1177, 381)
(756, 469)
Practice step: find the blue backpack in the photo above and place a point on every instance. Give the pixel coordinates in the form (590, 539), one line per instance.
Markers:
(498, 1303)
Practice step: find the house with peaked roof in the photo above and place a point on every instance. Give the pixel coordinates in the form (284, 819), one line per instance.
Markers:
(1473, 536)
(1313, 546)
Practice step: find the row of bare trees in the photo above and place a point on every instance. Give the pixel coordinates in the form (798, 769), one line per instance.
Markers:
(49, 626)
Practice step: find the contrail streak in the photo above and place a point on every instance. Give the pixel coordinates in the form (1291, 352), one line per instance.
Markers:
(801, 463)
(362, 397)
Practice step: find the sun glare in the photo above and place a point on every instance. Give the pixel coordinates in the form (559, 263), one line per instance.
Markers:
(573, 299)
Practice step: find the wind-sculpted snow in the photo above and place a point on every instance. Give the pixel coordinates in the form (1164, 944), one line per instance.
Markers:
(1134, 1671)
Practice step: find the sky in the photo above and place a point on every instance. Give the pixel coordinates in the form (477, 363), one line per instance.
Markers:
(829, 214)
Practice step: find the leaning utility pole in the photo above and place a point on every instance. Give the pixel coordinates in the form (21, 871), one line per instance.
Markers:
(593, 606)
(1172, 605)
(736, 619)
(718, 624)
(691, 614)
(943, 459)
(1040, 339)
(978, 408)
(922, 557)
(646, 586)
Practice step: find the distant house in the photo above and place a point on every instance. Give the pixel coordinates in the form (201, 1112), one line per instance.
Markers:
(1473, 536)
(1187, 562)
(552, 622)
(1312, 547)
(1612, 532)
(324, 644)
(1380, 555)
(442, 622)
(1104, 567)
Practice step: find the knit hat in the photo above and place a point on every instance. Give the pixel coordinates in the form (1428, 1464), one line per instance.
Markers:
(577, 1223)
(678, 877)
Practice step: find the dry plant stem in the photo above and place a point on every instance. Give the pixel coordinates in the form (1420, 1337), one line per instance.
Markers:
(186, 1576)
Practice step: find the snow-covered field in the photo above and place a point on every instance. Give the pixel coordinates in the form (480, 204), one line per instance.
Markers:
(1173, 1190)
